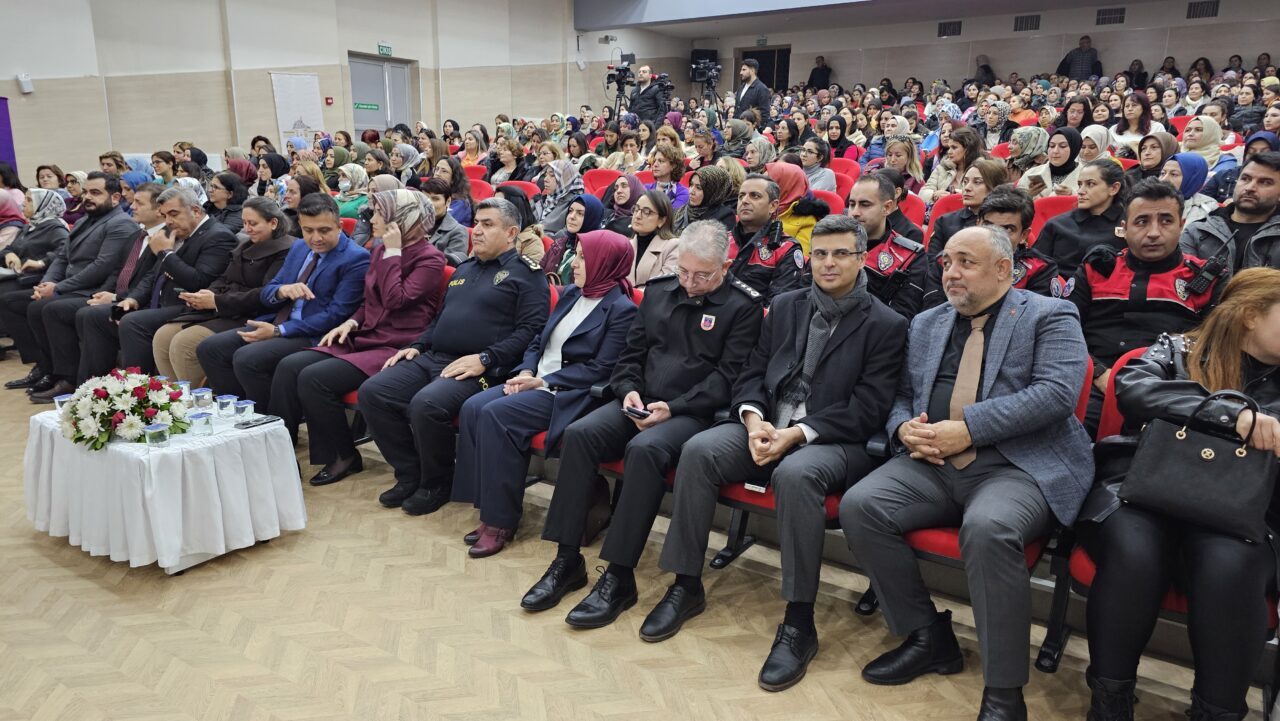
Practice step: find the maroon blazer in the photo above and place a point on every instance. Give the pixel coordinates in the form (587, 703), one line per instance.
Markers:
(401, 297)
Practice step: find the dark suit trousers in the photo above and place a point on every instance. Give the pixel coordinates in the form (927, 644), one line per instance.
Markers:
(98, 343)
(245, 369)
(493, 451)
(22, 318)
(410, 411)
(309, 385)
(801, 480)
(138, 328)
(999, 509)
(606, 434)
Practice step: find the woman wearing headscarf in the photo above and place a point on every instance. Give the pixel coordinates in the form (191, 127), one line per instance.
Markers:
(75, 204)
(334, 158)
(739, 134)
(1094, 143)
(363, 233)
(1060, 175)
(838, 137)
(12, 220)
(711, 197)
(552, 388)
(37, 241)
(195, 186)
(560, 185)
(359, 150)
(1203, 136)
(1221, 187)
(1187, 173)
(1153, 152)
(404, 160)
(273, 173)
(619, 203)
(586, 213)
(797, 210)
(1027, 148)
(353, 184)
(402, 293)
(674, 119)
(759, 152)
(244, 169)
(226, 198)
(995, 127)
(298, 144)
(529, 239)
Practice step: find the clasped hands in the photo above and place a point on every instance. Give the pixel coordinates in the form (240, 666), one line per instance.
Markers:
(934, 442)
(767, 443)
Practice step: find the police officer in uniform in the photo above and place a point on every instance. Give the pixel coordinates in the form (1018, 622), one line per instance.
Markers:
(684, 351)
(895, 264)
(764, 257)
(1127, 298)
(1013, 210)
(496, 302)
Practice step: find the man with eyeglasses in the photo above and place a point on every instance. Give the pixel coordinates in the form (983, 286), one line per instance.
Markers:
(817, 387)
(764, 256)
(684, 351)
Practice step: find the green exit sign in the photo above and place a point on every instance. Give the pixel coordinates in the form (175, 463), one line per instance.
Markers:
(366, 106)
(384, 50)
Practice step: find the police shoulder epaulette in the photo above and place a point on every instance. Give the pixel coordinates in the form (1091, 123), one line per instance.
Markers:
(1102, 257)
(752, 293)
(907, 243)
(533, 264)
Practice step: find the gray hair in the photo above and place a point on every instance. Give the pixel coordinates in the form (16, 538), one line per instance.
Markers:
(840, 224)
(771, 185)
(1001, 243)
(507, 209)
(188, 198)
(706, 239)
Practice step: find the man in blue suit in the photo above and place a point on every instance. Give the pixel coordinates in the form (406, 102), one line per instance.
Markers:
(320, 286)
(987, 440)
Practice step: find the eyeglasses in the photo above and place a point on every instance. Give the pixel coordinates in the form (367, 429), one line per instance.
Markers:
(645, 212)
(808, 151)
(699, 277)
(840, 254)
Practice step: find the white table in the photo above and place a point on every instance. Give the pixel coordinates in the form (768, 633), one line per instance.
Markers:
(198, 498)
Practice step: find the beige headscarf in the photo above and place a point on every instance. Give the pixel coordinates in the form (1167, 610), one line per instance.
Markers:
(359, 181)
(408, 209)
(384, 181)
(1210, 140)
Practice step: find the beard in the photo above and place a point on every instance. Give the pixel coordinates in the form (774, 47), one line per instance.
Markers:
(99, 210)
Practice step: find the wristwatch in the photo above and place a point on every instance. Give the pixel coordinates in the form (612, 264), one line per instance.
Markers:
(275, 331)
(485, 359)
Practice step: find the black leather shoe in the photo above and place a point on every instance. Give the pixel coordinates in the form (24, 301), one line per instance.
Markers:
(57, 389)
(932, 649)
(1202, 710)
(396, 495)
(338, 470)
(607, 600)
(26, 381)
(562, 576)
(788, 660)
(427, 499)
(1112, 700)
(41, 384)
(1002, 704)
(666, 618)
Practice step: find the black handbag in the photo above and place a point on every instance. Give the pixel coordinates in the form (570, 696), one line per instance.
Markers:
(1206, 479)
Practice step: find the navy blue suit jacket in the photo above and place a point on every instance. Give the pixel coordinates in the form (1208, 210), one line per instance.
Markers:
(587, 356)
(338, 285)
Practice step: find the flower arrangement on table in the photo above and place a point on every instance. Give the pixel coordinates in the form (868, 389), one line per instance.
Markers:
(121, 404)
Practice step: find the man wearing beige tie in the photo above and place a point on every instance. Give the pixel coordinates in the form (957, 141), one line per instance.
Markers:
(987, 440)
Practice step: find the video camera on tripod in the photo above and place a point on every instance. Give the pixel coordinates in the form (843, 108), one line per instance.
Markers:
(621, 75)
(706, 72)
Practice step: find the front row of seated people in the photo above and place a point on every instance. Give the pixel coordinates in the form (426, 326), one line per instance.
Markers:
(976, 395)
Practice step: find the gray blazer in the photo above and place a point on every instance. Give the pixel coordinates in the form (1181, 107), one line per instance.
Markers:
(1034, 372)
(92, 257)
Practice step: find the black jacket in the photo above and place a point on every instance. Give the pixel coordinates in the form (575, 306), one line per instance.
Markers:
(856, 377)
(896, 272)
(92, 255)
(1005, 133)
(689, 351)
(228, 216)
(238, 291)
(770, 261)
(903, 226)
(644, 103)
(757, 97)
(40, 242)
(192, 265)
(1067, 238)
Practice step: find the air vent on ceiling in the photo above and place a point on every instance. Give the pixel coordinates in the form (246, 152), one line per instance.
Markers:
(949, 29)
(1202, 9)
(1023, 23)
(1110, 16)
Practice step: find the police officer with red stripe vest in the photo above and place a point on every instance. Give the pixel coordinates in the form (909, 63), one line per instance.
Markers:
(765, 257)
(1127, 298)
(895, 264)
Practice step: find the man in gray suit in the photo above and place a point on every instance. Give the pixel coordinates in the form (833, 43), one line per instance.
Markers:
(987, 439)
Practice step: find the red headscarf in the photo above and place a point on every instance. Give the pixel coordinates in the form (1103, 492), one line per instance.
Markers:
(792, 183)
(609, 258)
(247, 171)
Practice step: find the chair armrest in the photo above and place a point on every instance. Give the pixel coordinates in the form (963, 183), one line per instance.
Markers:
(602, 391)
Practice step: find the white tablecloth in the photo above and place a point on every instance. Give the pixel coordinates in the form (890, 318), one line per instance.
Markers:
(200, 497)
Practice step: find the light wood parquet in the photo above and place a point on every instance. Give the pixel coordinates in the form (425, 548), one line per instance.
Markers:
(370, 615)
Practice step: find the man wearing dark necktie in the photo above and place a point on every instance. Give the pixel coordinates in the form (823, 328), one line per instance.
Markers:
(987, 440)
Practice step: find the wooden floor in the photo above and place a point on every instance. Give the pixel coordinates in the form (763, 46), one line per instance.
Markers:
(369, 614)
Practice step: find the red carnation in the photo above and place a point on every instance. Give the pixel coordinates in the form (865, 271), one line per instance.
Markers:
(156, 384)
(140, 392)
(151, 413)
(175, 395)
(115, 373)
(117, 419)
(99, 392)
(133, 369)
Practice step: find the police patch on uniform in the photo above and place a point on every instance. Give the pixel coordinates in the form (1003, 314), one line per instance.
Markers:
(1060, 289)
(1180, 287)
(500, 276)
(884, 260)
(799, 259)
(708, 322)
(765, 253)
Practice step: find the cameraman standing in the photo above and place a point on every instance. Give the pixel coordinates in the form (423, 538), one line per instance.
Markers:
(646, 98)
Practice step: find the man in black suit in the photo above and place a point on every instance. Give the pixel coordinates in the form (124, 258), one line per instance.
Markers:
(645, 98)
(817, 387)
(89, 260)
(190, 253)
(753, 94)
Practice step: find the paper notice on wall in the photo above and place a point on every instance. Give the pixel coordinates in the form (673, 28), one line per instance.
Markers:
(298, 108)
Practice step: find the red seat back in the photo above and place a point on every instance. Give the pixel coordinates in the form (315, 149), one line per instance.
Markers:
(832, 200)
(445, 276)
(1110, 422)
(1000, 151)
(1126, 163)
(454, 148)
(1029, 121)
(529, 189)
(348, 225)
(645, 176)
(595, 142)
(597, 179)
(684, 179)
(637, 295)
(944, 205)
(1047, 208)
(481, 190)
(476, 172)
(912, 206)
(844, 184)
(1082, 405)
(846, 166)
(546, 244)
(1179, 123)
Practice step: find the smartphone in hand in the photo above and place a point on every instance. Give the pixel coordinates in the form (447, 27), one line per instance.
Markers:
(637, 413)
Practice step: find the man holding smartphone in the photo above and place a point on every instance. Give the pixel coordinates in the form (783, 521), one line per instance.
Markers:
(694, 331)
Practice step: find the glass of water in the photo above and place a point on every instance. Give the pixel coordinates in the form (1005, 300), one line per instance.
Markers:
(202, 397)
(201, 423)
(157, 435)
(227, 405)
(244, 411)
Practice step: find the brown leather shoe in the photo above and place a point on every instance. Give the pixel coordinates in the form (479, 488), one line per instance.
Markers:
(491, 541)
(60, 388)
(471, 538)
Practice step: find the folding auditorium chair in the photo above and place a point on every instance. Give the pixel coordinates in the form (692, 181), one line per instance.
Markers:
(845, 166)
(684, 179)
(348, 225)
(1047, 208)
(1179, 123)
(1000, 150)
(912, 206)
(475, 172)
(844, 184)
(832, 200)
(1127, 163)
(530, 190)
(942, 206)
(597, 179)
(645, 177)
(481, 191)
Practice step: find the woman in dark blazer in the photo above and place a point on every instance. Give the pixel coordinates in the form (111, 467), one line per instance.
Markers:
(402, 293)
(232, 298)
(552, 388)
